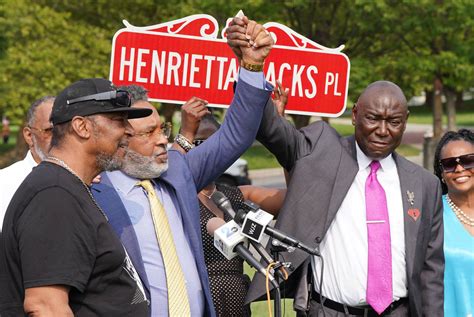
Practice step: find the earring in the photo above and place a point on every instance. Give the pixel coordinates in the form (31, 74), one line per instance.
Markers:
(443, 181)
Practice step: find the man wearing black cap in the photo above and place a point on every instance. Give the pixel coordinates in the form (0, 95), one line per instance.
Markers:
(59, 251)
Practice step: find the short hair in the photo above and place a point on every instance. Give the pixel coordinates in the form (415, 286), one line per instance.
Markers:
(462, 135)
(137, 92)
(59, 132)
(30, 114)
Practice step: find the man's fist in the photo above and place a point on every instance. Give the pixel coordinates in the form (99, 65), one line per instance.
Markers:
(191, 113)
(249, 40)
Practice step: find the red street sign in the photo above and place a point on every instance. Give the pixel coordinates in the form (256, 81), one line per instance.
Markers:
(183, 58)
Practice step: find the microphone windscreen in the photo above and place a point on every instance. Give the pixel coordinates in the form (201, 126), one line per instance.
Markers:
(213, 224)
(218, 197)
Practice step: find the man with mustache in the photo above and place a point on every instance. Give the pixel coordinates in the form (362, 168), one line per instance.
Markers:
(59, 254)
(154, 183)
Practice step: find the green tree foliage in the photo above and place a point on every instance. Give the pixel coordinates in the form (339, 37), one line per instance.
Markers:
(45, 51)
(47, 44)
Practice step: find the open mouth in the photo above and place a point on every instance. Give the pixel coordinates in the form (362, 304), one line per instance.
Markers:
(462, 179)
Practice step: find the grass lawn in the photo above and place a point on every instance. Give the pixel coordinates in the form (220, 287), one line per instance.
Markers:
(421, 114)
(259, 157)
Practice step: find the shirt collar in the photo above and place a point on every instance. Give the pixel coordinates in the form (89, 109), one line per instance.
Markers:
(123, 182)
(364, 162)
(30, 160)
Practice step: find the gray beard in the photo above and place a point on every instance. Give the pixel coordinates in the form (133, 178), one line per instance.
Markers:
(142, 167)
(107, 162)
(38, 151)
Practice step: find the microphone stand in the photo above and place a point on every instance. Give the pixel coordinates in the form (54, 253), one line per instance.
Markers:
(275, 251)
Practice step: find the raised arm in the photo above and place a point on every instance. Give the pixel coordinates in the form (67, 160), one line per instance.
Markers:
(191, 114)
(242, 120)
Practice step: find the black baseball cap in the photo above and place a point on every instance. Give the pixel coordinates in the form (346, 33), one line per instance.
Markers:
(93, 96)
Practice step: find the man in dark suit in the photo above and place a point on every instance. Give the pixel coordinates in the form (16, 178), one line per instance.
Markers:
(329, 199)
(175, 180)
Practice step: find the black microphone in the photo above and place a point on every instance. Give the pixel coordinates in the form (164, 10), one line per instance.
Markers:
(230, 243)
(224, 204)
(255, 222)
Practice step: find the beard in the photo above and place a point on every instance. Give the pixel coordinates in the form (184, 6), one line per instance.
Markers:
(107, 162)
(42, 156)
(142, 167)
(111, 162)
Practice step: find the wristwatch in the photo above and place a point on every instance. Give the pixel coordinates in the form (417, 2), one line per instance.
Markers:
(183, 142)
(251, 67)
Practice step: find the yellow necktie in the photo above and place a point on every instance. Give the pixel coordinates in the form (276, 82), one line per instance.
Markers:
(178, 303)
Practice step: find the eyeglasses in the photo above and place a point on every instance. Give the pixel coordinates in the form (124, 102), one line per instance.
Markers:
(164, 129)
(197, 142)
(120, 97)
(449, 164)
(44, 131)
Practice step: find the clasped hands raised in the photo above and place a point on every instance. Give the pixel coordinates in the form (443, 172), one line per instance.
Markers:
(249, 41)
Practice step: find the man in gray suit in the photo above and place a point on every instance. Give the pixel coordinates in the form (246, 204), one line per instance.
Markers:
(335, 184)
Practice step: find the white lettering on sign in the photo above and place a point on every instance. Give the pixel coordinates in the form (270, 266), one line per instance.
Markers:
(158, 67)
(128, 63)
(173, 68)
(141, 64)
(332, 80)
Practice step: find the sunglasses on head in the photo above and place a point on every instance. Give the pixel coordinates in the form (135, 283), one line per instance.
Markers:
(118, 97)
(449, 164)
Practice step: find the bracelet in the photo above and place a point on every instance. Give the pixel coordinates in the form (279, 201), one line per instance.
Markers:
(183, 142)
(252, 67)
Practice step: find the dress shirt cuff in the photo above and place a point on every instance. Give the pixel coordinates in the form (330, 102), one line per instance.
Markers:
(256, 79)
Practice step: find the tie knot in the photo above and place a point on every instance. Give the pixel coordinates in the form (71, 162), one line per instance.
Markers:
(374, 166)
(146, 184)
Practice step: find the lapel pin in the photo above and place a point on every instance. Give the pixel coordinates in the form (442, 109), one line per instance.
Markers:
(414, 213)
(411, 197)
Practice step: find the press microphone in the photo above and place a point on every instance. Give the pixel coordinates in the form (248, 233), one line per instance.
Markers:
(255, 223)
(230, 243)
(224, 204)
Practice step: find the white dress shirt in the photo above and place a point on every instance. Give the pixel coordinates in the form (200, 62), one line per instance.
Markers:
(11, 178)
(344, 248)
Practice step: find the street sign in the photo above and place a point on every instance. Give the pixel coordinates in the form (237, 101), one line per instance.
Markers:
(183, 58)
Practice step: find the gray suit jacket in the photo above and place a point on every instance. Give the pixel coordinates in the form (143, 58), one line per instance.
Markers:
(322, 166)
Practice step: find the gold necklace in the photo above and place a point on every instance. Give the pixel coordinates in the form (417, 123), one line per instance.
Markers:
(459, 213)
(209, 196)
(70, 170)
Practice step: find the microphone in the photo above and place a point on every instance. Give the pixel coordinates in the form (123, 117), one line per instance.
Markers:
(230, 243)
(224, 204)
(255, 223)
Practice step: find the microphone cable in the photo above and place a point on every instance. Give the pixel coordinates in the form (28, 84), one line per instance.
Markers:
(267, 285)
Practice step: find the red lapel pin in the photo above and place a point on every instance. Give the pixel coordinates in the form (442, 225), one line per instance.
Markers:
(414, 213)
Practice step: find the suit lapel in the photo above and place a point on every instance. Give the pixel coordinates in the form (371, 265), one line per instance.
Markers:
(412, 194)
(109, 200)
(345, 175)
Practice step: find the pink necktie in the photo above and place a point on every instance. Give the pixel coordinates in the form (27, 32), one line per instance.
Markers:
(379, 276)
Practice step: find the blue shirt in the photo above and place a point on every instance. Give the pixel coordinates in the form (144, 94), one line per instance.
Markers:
(136, 203)
(459, 266)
